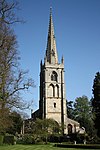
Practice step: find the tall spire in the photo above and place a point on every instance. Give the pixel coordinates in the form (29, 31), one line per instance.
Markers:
(51, 51)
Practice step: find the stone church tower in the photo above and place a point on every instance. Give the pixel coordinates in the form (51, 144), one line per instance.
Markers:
(52, 102)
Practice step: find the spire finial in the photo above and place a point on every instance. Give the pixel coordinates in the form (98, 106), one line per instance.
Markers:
(62, 60)
(50, 10)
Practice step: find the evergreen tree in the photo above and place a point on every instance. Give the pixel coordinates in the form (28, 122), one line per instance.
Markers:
(70, 110)
(96, 102)
(83, 114)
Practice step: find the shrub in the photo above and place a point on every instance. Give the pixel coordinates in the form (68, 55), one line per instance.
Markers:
(28, 139)
(79, 138)
(1, 139)
(9, 139)
(53, 138)
(94, 140)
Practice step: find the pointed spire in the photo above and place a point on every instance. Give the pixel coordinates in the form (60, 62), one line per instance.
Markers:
(51, 51)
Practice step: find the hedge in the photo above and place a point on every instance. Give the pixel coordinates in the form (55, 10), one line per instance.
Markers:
(83, 146)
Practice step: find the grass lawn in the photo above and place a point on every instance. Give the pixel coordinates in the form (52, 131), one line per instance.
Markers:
(35, 147)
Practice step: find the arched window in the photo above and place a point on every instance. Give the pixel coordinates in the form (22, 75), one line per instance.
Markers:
(54, 76)
(69, 128)
(56, 91)
(51, 92)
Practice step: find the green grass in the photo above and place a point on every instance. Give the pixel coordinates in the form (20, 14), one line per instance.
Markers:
(35, 147)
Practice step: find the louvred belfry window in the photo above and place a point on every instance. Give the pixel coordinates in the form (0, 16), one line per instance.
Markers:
(54, 76)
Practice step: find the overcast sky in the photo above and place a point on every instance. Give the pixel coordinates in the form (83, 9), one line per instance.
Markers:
(77, 32)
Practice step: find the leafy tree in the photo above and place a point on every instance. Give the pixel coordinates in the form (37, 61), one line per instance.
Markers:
(12, 78)
(42, 128)
(46, 127)
(96, 102)
(16, 123)
(83, 114)
(70, 110)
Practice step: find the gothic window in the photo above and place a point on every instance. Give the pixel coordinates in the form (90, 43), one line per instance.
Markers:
(56, 91)
(54, 76)
(51, 91)
(69, 128)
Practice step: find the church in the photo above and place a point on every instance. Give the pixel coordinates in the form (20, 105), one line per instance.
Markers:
(52, 102)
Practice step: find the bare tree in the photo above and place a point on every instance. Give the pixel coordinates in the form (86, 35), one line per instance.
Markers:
(7, 12)
(12, 78)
